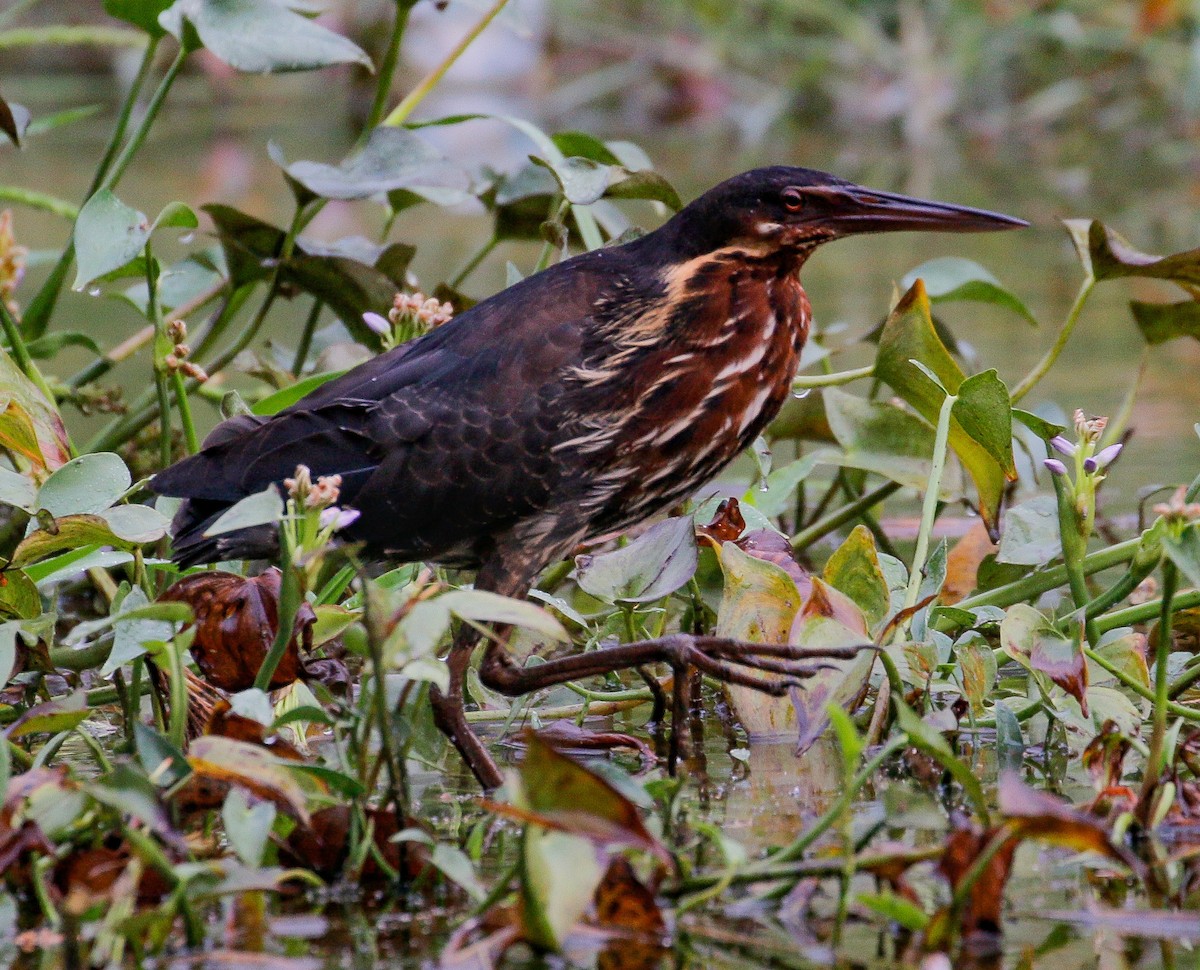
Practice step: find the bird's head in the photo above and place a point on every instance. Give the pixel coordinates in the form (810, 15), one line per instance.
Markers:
(783, 208)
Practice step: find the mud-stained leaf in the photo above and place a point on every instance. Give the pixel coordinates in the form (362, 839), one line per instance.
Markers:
(60, 714)
(1104, 757)
(624, 904)
(225, 761)
(1039, 815)
(828, 619)
(1031, 640)
(30, 426)
(759, 602)
(236, 621)
(977, 665)
(1030, 535)
(962, 564)
(726, 525)
(952, 278)
(981, 420)
(1107, 255)
(964, 846)
(576, 800)
(567, 737)
(654, 565)
(854, 569)
(259, 37)
(559, 875)
(393, 158)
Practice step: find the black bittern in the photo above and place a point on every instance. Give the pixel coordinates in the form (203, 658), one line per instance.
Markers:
(578, 402)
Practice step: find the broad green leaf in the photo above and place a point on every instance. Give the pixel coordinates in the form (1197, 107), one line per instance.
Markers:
(780, 494)
(1128, 654)
(56, 569)
(18, 595)
(85, 485)
(1184, 551)
(1038, 425)
(137, 524)
(285, 398)
(394, 158)
(1160, 322)
(1030, 534)
(759, 601)
(143, 14)
(952, 278)
(18, 490)
(131, 636)
(896, 909)
(47, 347)
(261, 508)
(481, 605)
(260, 36)
(654, 565)
(69, 533)
(60, 714)
(167, 612)
(1010, 744)
(30, 425)
(854, 570)
(247, 826)
(1106, 255)
(909, 335)
(559, 875)
(165, 764)
(108, 235)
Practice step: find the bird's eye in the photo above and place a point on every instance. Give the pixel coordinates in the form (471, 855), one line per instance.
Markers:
(793, 200)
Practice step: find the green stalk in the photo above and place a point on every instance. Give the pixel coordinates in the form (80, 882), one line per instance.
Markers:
(290, 597)
(306, 336)
(832, 380)
(1146, 611)
(70, 36)
(39, 200)
(1154, 762)
(473, 263)
(161, 378)
(1042, 366)
(191, 439)
(1187, 713)
(20, 353)
(941, 446)
(1074, 544)
(839, 517)
(418, 94)
(387, 67)
(123, 116)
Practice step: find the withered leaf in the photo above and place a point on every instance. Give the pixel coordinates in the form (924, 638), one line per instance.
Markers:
(625, 905)
(236, 620)
(727, 524)
(963, 847)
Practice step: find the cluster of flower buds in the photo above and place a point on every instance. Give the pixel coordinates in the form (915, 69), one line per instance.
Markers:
(411, 315)
(320, 496)
(12, 262)
(1178, 507)
(177, 360)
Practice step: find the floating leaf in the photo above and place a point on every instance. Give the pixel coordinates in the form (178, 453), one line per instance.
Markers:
(260, 37)
(952, 278)
(654, 565)
(981, 421)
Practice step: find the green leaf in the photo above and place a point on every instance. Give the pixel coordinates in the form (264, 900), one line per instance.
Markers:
(131, 793)
(18, 595)
(18, 490)
(1010, 745)
(60, 714)
(654, 565)
(85, 485)
(559, 875)
(1030, 536)
(1184, 551)
(131, 636)
(393, 158)
(261, 36)
(136, 524)
(47, 347)
(1107, 255)
(175, 215)
(780, 494)
(143, 14)
(909, 335)
(952, 278)
(247, 826)
(161, 760)
(977, 665)
(1160, 322)
(285, 398)
(261, 508)
(854, 570)
(108, 235)
(486, 607)
(896, 909)
(1039, 426)
(454, 864)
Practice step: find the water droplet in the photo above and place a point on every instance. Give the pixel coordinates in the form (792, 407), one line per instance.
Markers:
(187, 237)
(801, 395)
(763, 486)
(93, 291)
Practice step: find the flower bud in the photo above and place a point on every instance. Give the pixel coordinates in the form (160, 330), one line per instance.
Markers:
(338, 518)
(1105, 457)
(1063, 446)
(1056, 466)
(377, 324)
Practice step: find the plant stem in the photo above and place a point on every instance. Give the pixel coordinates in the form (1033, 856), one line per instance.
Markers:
(1146, 611)
(400, 113)
(20, 353)
(1074, 545)
(473, 263)
(123, 116)
(387, 67)
(71, 36)
(1042, 366)
(39, 200)
(1154, 762)
(161, 378)
(306, 336)
(290, 597)
(941, 443)
(832, 380)
(1187, 713)
(191, 439)
(839, 517)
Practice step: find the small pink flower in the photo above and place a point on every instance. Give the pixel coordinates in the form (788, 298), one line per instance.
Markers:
(338, 518)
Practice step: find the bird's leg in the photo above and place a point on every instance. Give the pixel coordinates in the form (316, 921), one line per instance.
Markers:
(451, 719)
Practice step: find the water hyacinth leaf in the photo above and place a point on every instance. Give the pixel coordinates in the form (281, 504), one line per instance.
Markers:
(261, 508)
(247, 825)
(19, 596)
(854, 570)
(1038, 425)
(285, 398)
(780, 494)
(30, 425)
(259, 37)
(1030, 639)
(18, 490)
(143, 14)
(250, 766)
(759, 602)
(882, 438)
(60, 714)
(977, 665)
(1184, 551)
(14, 119)
(828, 619)
(167, 612)
(136, 524)
(70, 564)
(130, 636)
(1105, 254)
(645, 185)
(1128, 654)
(559, 875)
(85, 485)
(393, 158)
(108, 235)
(654, 565)
(1030, 536)
(69, 532)
(483, 606)
(909, 335)
(1160, 322)
(952, 278)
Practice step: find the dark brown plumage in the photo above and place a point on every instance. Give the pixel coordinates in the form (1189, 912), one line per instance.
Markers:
(581, 400)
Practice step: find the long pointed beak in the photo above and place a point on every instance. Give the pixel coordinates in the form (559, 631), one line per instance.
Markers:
(854, 209)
